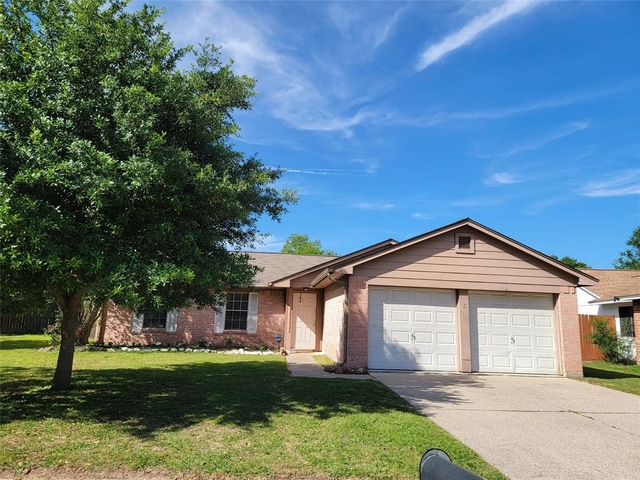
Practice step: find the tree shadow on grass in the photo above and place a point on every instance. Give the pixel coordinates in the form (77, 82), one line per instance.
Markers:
(144, 401)
(594, 372)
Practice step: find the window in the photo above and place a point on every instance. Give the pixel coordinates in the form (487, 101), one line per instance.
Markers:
(154, 320)
(236, 311)
(167, 321)
(626, 322)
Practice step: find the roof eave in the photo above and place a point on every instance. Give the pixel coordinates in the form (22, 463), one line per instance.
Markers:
(615, 300)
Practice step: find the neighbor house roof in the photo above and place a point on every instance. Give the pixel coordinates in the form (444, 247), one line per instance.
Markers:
(614, 284)
(279, 265)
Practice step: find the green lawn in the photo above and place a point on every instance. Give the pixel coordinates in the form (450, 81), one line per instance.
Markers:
(235, 416)
(625, 378)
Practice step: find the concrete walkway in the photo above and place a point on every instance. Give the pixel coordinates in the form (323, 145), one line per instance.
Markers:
(532, 427)
(304, 365)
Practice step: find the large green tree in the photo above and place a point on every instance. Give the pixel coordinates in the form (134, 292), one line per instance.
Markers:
(300, 244)
(118, 176)
(571, 262)
(630, 258)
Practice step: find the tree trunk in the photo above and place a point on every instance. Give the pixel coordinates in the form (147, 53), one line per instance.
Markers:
(91, 311)
(70, 303)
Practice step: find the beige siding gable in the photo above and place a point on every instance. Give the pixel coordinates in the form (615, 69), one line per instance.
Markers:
(436, 263)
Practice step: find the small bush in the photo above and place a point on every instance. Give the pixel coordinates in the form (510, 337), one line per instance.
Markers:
(604, 337)
(53, 330)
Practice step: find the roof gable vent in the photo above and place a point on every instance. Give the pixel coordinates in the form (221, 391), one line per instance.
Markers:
(465, 243)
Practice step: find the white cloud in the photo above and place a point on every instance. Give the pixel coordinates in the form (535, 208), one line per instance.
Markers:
(294, 86)
(565, 131)
(471, 31)
(373, 206)
(331, 171)
(440, 117)
(622, 183)
(422, 216)
(502, 178)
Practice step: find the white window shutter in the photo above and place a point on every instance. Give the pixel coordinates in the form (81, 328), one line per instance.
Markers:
(252, 316)
(172, 320)
(218, 326)
(137, 322)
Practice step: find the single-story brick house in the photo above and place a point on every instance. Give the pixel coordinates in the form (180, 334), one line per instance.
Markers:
(617, 293)
(461, 298)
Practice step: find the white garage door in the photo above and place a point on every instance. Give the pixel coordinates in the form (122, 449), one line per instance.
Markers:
(412, 329)
(512, 333)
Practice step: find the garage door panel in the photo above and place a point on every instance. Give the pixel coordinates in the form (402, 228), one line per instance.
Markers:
(512, 333)
(522, 341)
(546, 364)
(396, 336)
(423, 338)
(400, 296)
(501, 361)
(423, 317)
(417, 328)
(543, 321)
(544, 342)
(448, 338)
(524, 363)
(497, 340)
(522, 321)
(499, 319)
(448, 360)
(447, 318)
(399, 316)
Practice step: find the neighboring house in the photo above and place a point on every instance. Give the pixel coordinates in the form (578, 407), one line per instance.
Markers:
(462, 298)
(617, 293)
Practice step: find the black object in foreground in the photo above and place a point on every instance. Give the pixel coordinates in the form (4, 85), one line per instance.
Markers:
(436, 465)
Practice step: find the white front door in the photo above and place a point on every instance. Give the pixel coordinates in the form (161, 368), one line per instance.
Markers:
(304, 313)
(512, 333)
(412, 329)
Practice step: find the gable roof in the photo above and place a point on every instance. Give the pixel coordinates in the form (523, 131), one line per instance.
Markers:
(344, 265)
(351, 257)
(278, 265)
(620, 284)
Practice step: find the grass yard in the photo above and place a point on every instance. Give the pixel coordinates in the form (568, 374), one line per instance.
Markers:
(203, 414)
(625, 378)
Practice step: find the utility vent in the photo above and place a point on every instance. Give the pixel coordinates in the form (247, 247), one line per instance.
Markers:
(465, 243)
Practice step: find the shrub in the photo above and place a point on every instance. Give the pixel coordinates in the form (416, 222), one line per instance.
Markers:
(604, 337)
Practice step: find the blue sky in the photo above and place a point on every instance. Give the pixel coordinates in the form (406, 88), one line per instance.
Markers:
(396, 118)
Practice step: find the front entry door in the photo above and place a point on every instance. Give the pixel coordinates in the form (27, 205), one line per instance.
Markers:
(304, 312)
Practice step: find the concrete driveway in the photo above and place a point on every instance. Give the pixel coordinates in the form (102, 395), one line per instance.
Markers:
(532, 427)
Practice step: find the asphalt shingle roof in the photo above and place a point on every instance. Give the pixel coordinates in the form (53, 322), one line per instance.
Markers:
(279, 265)
(614, 283)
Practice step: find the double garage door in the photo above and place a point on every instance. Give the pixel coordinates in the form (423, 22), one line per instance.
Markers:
(416, 329)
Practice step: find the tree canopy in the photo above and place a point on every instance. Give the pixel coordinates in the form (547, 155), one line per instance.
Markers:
(629, 259)
(118, 178)
(300, 244)
(571, 262)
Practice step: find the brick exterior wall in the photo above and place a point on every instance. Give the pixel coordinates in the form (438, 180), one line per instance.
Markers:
(358, 322)
(567, 314)
(333, 322)
(636, 324)
(194, 325)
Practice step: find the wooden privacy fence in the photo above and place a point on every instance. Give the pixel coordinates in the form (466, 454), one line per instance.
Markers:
(30, 322)
(589, 350)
